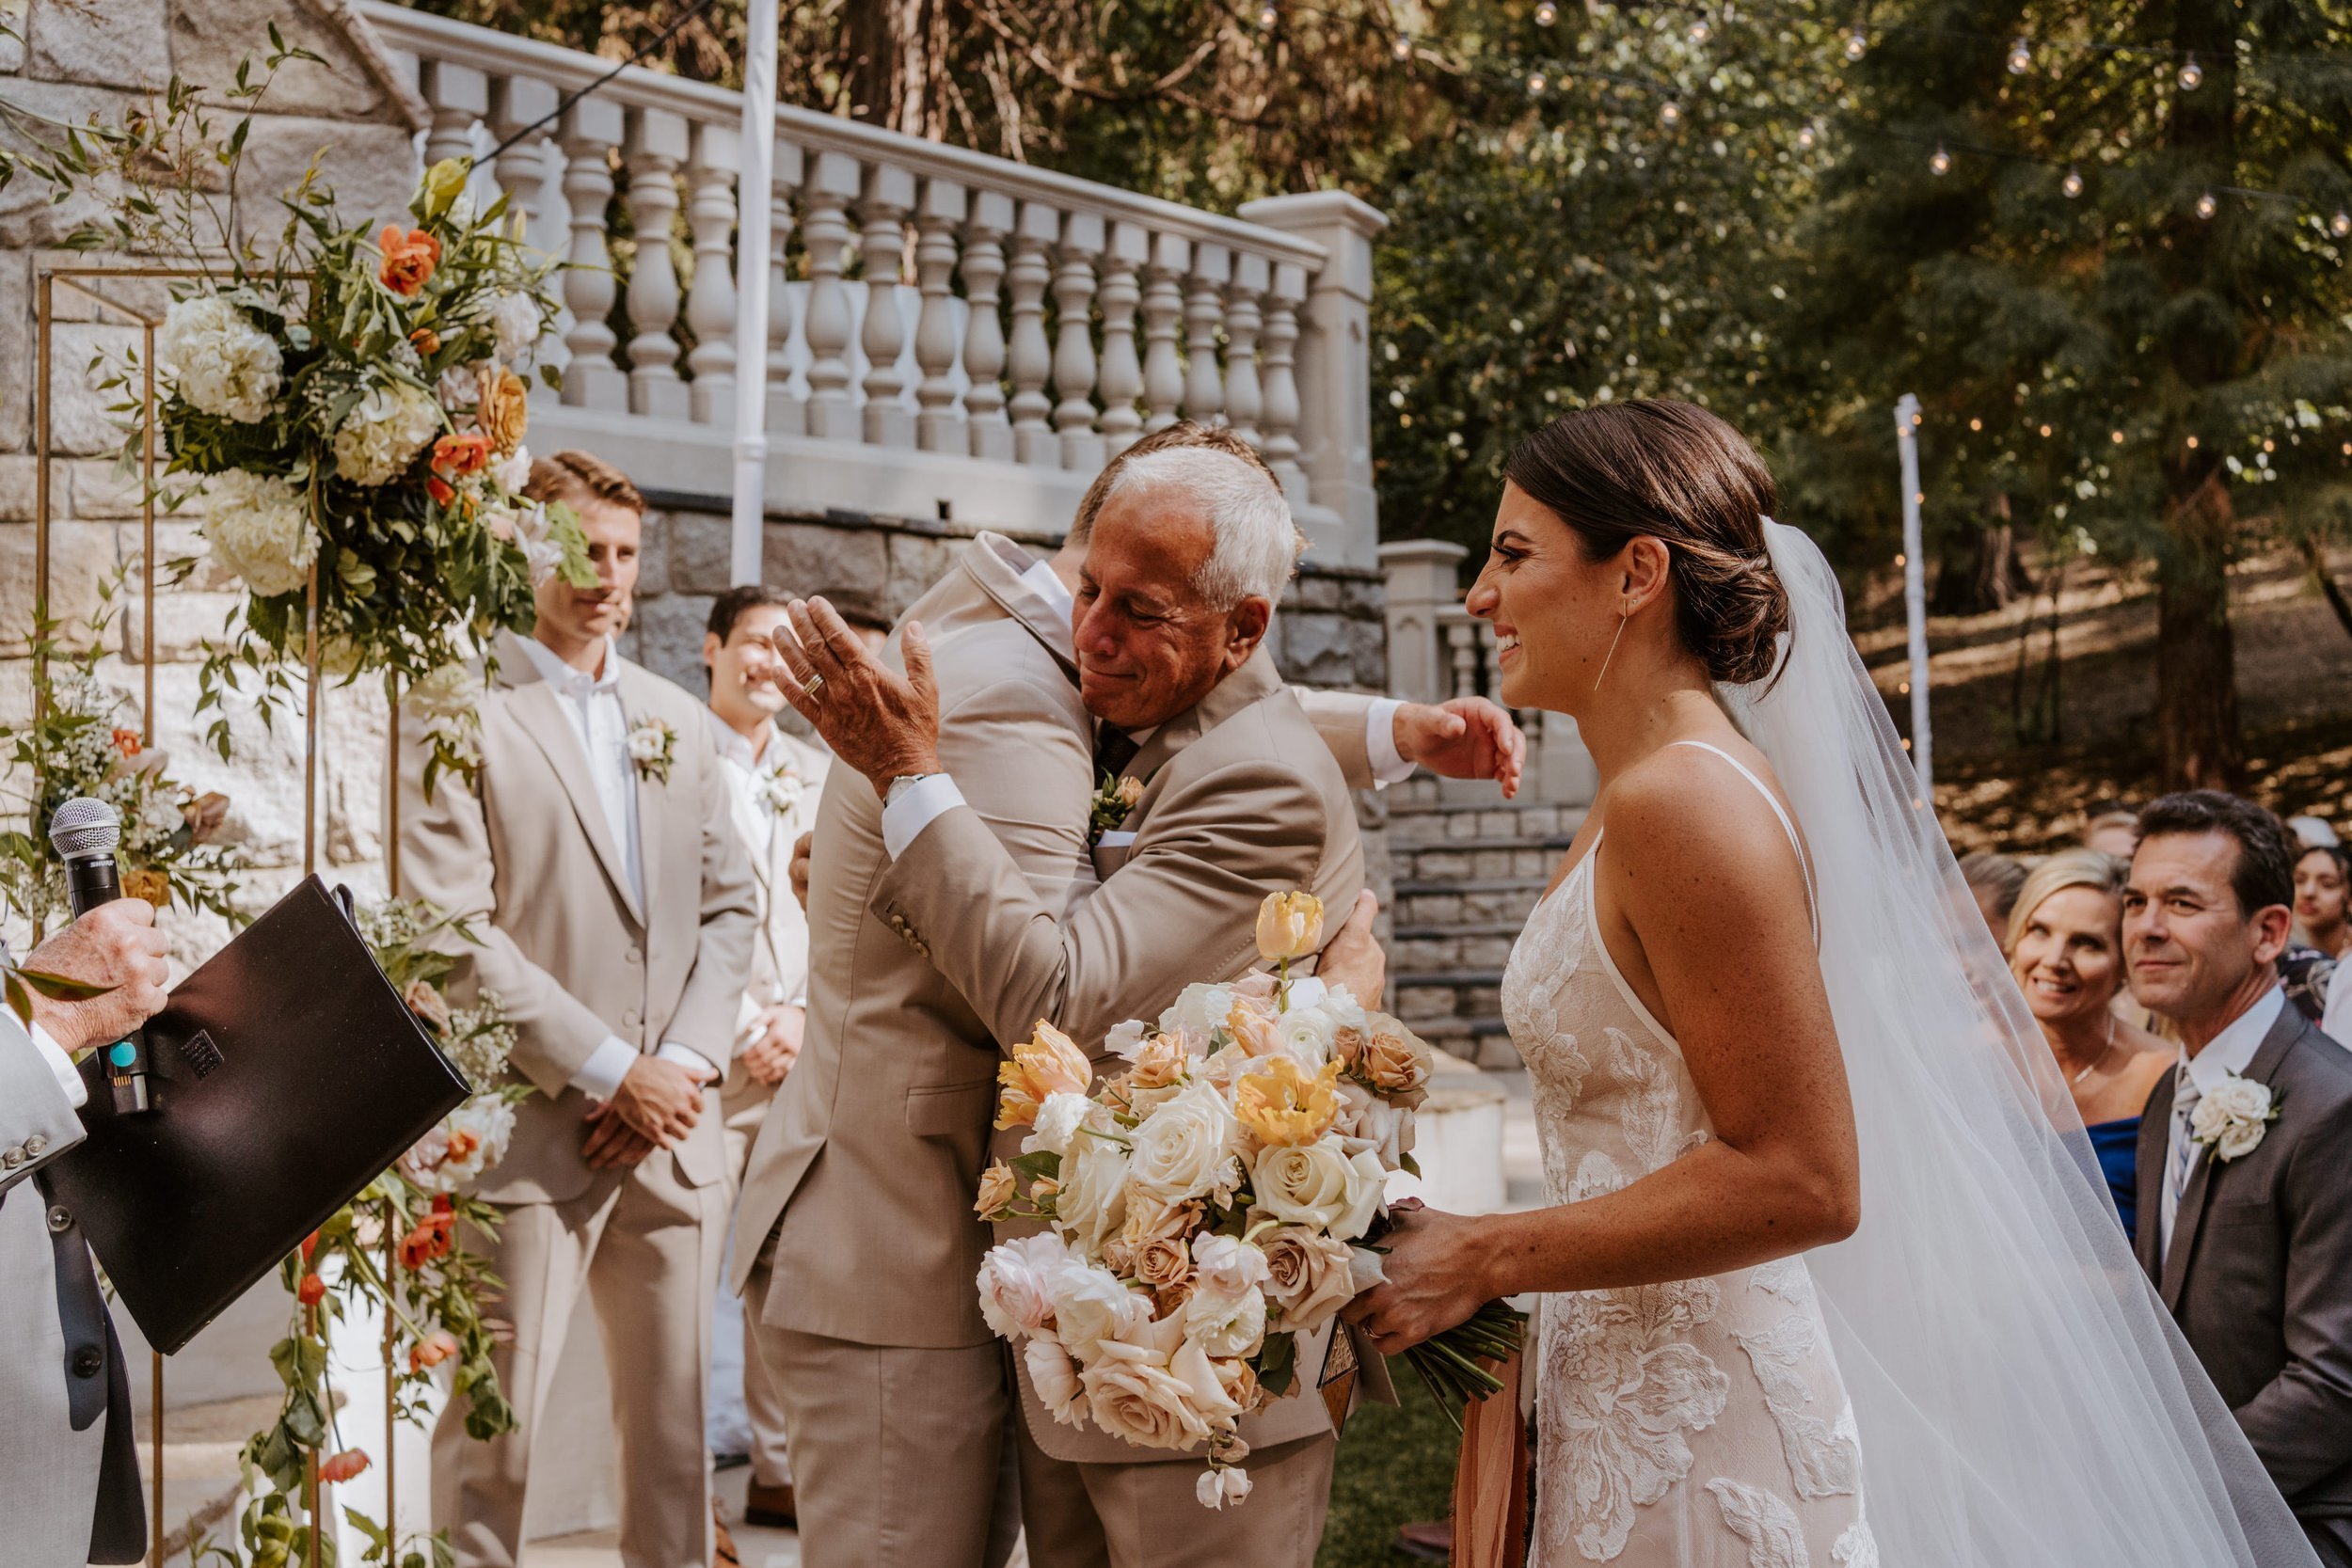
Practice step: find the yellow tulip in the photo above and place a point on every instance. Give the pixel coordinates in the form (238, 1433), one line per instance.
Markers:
(1049, 1062)
(1290, 925)
(1283, 1106)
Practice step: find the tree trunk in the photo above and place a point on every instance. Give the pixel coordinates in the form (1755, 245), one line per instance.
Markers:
(2198, 732)
(897, 65)
(1990, 574)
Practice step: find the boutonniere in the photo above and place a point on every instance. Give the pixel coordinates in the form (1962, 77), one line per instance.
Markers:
(2233, 1117)
(652, 746)
(782, 791)
(1112, 802)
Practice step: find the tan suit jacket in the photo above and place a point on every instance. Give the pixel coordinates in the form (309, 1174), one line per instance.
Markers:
(527, 857)
(875, 1242)
(1241, 798)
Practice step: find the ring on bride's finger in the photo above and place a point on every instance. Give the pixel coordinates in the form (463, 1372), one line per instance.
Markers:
(813, 685)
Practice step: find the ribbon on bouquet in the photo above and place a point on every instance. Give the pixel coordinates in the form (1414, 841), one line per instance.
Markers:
(1490, 1479)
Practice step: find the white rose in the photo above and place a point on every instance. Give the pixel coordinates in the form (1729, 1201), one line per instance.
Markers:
(215, 356)
(1191, 1366)
(1133, 1396)
(1015, 1282)
(646, 743)
(1054, 1377)
(1093, 1200)
(1368, 1121)
(516, 320)
(1226, 1324)
(1199, 1011)
(1227, 1266)
(512, 470)
(1306, 1037)
(2233, 1117)
(1319, 1185)
(1057, 1122)
(1216, 1488)
(1310, 1278)
(1126, 1040)
(1183, 1149)
(384, 432)
(260, 529)
(1091, 1306)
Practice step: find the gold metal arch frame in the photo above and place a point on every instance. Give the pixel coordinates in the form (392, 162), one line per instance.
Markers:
(87, 282)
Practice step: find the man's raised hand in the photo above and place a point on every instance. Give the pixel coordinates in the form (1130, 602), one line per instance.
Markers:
(880, 722)
(1463, 738)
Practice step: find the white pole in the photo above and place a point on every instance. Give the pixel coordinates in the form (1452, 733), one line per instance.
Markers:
(751, 290)
(1916, 594)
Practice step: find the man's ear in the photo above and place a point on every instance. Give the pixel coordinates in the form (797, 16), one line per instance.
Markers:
(710, 651)
(2274, 927)
(1248, 622)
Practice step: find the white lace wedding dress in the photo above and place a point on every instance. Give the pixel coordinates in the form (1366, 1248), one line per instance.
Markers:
(1698, 1424)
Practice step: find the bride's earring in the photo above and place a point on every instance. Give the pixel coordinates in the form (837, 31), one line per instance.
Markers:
(1622, 619)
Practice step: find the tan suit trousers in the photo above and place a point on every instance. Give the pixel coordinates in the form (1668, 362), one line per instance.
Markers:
(896, 1449)
(1149, 1516)
(772, 1464)
(646, 1247)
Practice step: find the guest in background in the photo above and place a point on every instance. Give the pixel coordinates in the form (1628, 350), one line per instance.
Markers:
(2112, 827)
(2323, 873)
(1995, 879)
(2065, 944)
(774, 780)
(2313, 830)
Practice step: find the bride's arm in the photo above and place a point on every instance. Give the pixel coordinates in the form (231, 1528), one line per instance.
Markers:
(1703, 874)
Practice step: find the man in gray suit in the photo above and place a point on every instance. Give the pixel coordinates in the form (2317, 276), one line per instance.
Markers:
(2245, 1222)
(68, 1481)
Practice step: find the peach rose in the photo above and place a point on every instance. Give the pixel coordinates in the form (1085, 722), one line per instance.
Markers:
(431, 1350)
(428, 1004)
(1160, 1062)
(503, 410)
(1255, 1032)
(997, 1189)
(1307, 1277)
(1394, 1062)
(1049, 1062)
(409, 258)
(147, 883)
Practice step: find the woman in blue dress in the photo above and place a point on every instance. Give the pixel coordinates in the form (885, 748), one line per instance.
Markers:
(2066, 949)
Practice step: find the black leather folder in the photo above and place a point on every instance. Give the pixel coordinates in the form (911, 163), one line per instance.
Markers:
(286, 1074)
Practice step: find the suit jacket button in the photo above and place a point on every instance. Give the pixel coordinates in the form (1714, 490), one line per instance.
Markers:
(635, 956)
(11, 1158)
(89, 1361)
(60, 1220)
(629, 1020)
(34, 1146)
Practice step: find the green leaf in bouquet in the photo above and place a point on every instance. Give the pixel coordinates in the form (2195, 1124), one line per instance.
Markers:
(1043, 1164)
(1278, 1364)
(60, 988)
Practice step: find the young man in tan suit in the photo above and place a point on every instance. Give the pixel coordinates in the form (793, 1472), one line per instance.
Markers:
(1278, 816)
(616, 915)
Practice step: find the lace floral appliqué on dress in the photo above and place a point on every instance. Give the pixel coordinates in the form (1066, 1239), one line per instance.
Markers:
(1694, 1424)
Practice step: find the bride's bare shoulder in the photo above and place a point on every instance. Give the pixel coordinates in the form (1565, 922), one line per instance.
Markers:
(1687, 806)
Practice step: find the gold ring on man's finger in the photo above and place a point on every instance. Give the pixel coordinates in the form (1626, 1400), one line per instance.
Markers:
(813, 685)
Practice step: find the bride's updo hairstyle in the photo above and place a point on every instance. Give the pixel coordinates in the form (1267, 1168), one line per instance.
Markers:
(1676, 473)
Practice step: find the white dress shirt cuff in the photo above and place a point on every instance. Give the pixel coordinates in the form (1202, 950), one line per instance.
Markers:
(918, 806)
(1388, 765)
(68, 1076)
(698, 1066)
(599, 1077)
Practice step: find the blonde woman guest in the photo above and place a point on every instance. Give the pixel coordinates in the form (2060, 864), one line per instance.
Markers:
(2065, 946)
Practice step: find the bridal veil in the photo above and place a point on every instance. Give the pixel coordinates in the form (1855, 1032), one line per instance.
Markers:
(2022, 1396)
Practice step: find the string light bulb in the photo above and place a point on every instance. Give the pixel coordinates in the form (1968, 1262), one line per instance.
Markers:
(2208, 205)
(1534, 84)
(2192, 75)
(1976, 424)
(1547, 13)
(1940, 162)
(1401, 48)
(1857, 43)
(2073, 183)
(2020, 58)
(2341, 224)
(1670, 114)
(2116, 436)
(1701, 31)
(1267, 16)
(2192, 443)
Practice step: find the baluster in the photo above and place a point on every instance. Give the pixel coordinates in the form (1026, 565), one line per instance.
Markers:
(1122, 374)
(983, 334)
(1281, 383)
(1462, 640)
(1163, 303)
(459, 96)
(1204, 313)
(1032, 358)
(590, 129)
(710, 180)
(786, 414)
(882, 242)
(825, 229)
(522, 174)
(938, 423)
(1073, 350)
(1492, 653)
(1244, 402)
(656, 148)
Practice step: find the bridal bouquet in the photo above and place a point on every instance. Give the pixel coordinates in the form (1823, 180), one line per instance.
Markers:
(1208, 1205)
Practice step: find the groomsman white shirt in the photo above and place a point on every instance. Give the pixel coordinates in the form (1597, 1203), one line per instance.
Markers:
(916, 807)
(2228, 1053)
(593, 704)
(749, 776)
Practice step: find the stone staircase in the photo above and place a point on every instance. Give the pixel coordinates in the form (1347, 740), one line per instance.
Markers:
(1468, 867)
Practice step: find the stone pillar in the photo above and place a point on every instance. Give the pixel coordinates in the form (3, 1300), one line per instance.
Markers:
(1334, 367)
(1420, 575)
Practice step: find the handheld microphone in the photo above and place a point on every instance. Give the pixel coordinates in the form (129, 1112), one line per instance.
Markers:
(85, 833)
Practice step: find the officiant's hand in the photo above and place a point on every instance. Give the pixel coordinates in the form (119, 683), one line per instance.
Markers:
(1464, 738)
(880, 722)
(115, 945)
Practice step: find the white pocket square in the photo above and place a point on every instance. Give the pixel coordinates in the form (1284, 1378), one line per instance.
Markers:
(1115, 841)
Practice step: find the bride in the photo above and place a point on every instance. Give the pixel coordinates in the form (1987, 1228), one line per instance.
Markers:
(1828, 1274)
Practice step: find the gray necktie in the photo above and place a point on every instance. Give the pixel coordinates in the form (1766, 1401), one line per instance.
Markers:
(2182, 1156)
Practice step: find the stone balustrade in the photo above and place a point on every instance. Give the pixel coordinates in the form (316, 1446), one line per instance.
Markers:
(952, 336)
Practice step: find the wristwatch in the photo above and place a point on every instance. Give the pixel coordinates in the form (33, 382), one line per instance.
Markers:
(901, 784)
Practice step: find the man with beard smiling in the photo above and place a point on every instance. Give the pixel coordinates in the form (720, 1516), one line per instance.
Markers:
(1236, 796)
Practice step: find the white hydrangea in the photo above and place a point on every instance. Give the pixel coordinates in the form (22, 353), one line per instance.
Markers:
(451, 693)
(218, 359)
(516, 320)
(512, 470)
(460, 385)
(260, 529)
(384, 433)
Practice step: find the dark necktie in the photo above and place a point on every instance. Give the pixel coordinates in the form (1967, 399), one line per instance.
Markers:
(1114, 749)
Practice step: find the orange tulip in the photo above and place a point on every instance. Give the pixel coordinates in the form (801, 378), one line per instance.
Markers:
(428, 342)
(344, 1465)
(409, 258)
(440, 490)
(469, 454)
(311, 1291)
(433, 1349)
